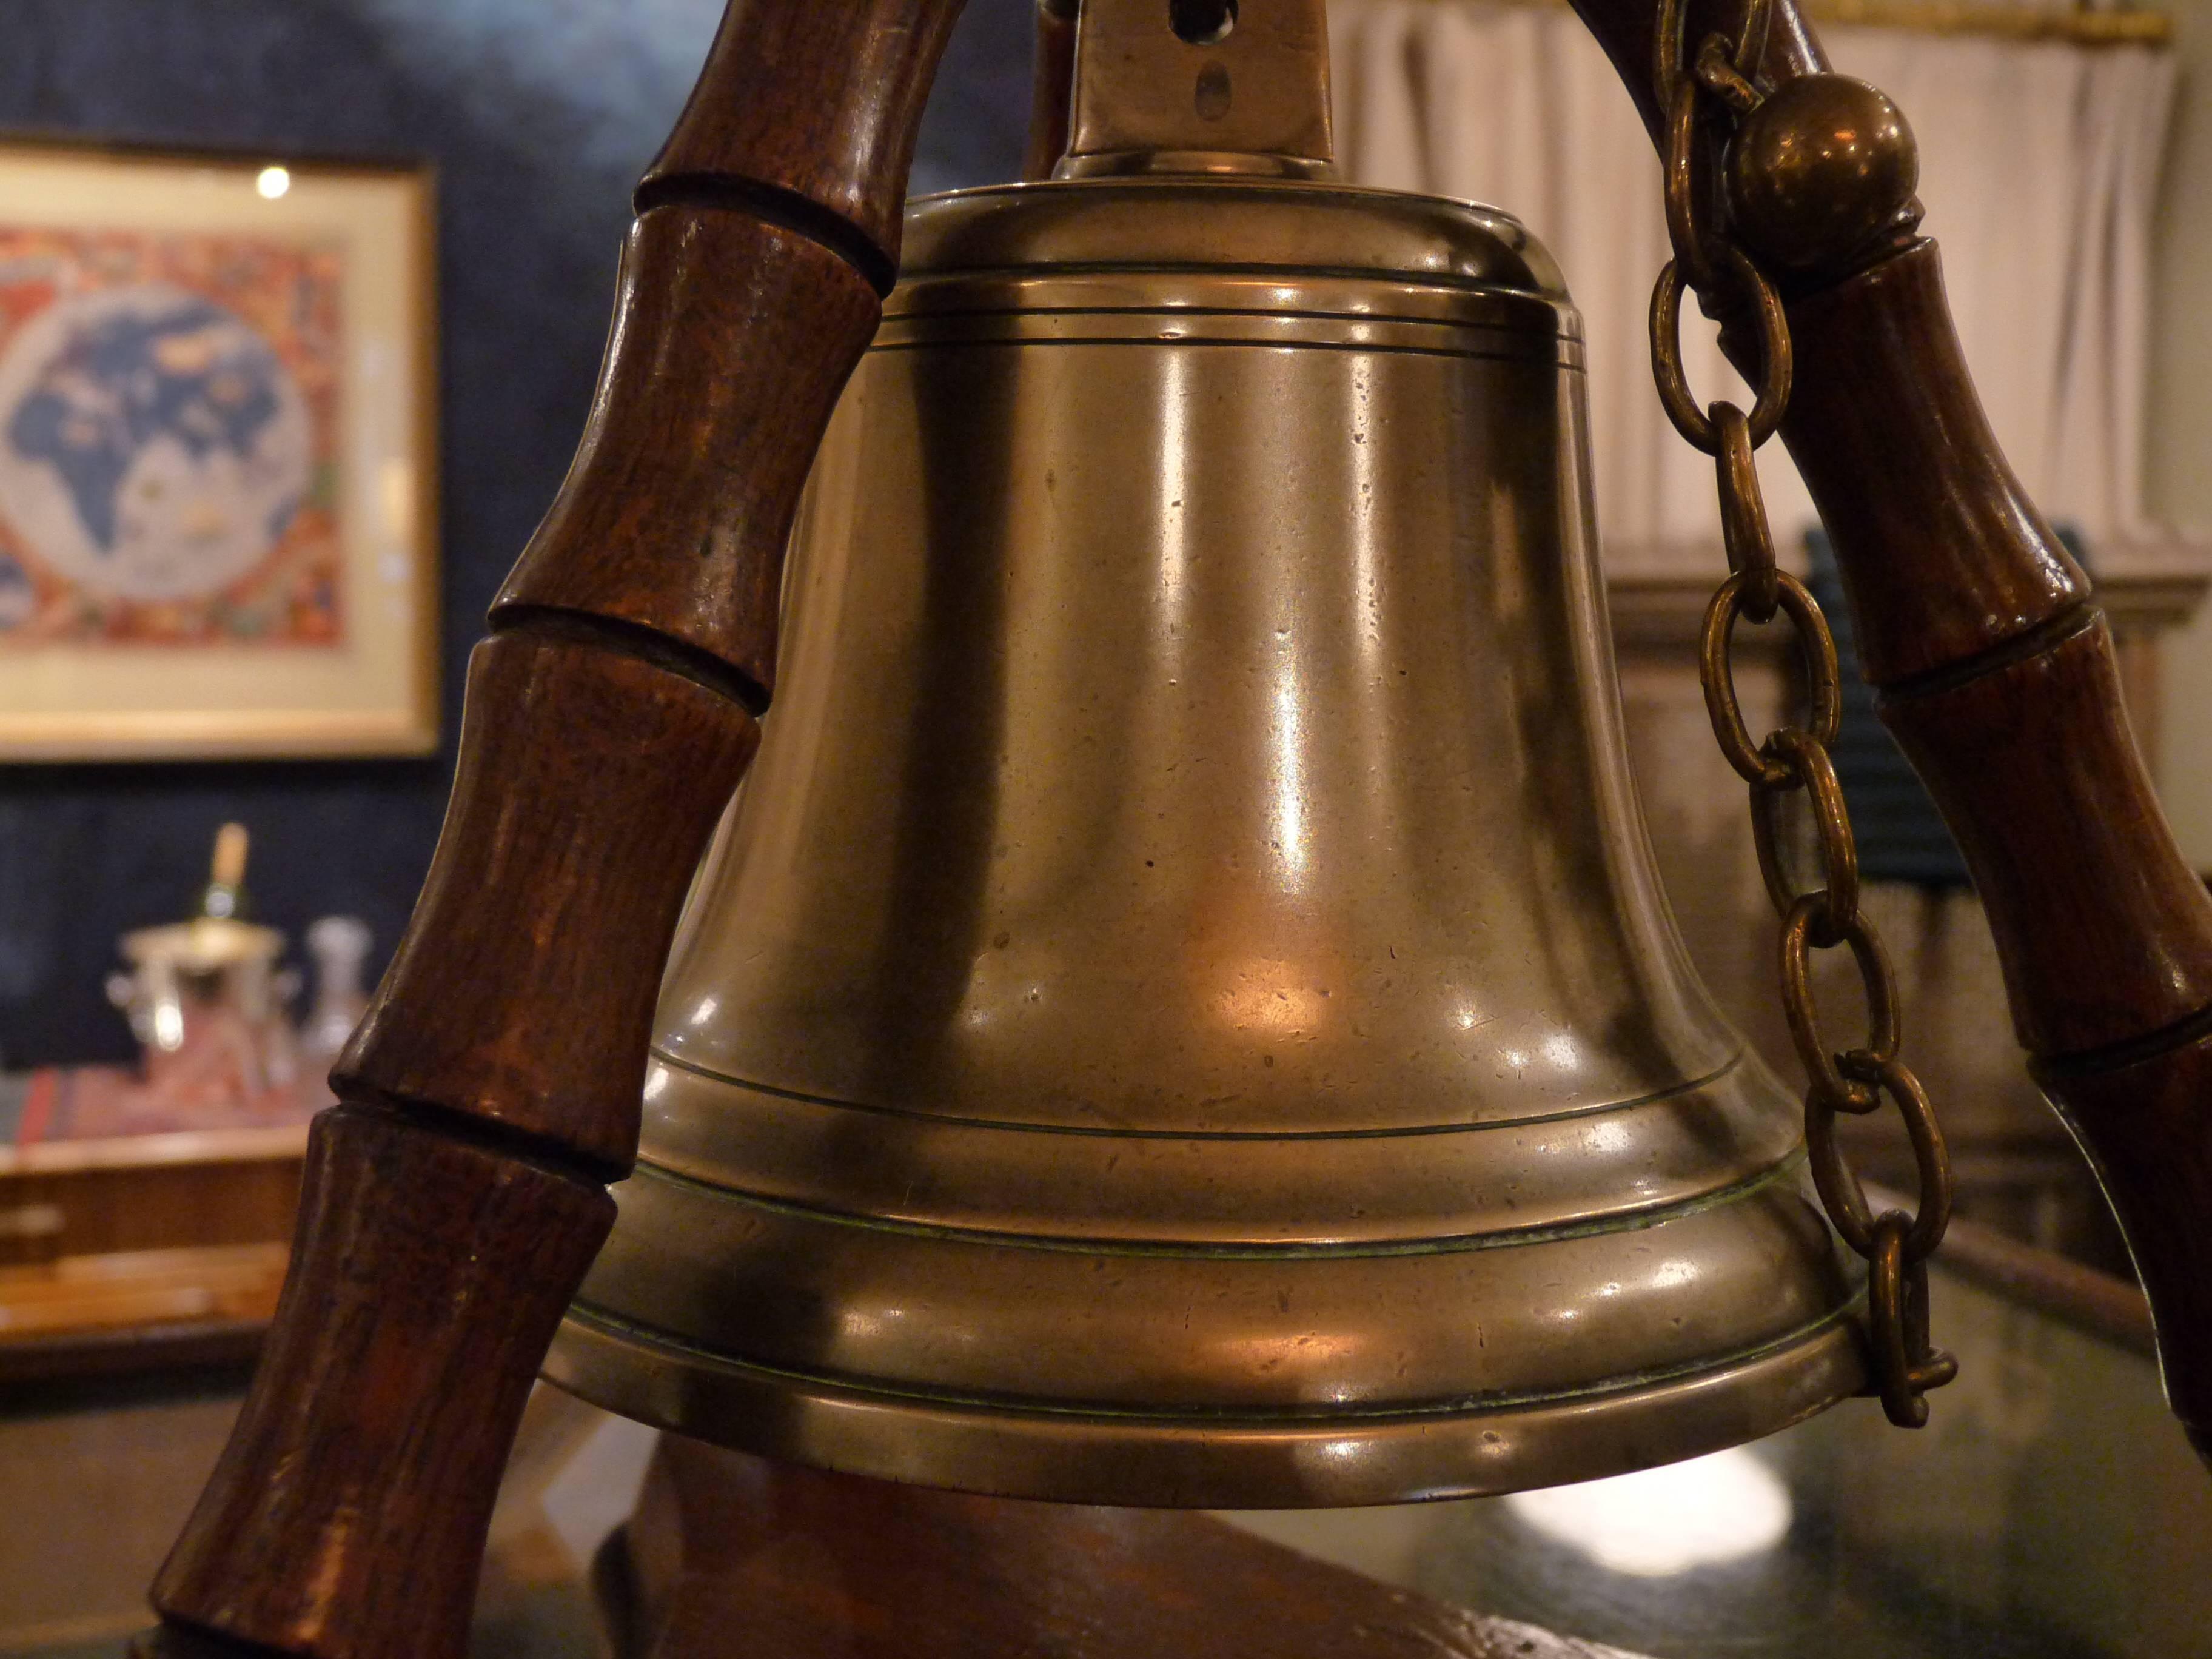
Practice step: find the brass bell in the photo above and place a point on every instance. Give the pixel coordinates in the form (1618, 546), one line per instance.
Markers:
(1183, 1010)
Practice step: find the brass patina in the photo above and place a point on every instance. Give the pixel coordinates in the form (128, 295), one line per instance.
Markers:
(1183, 1010)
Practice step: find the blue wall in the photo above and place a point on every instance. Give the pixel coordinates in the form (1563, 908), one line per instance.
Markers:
(538, 115)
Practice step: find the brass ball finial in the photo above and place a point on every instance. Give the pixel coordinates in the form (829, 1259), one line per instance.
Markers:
(1820, 169)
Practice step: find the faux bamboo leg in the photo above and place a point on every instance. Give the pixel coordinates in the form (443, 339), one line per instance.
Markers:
(455, 1196)
(1996, 674)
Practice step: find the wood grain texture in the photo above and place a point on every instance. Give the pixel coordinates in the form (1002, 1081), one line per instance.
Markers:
(2145, 1127)
(731, 339)
(820, 102)
(523, 993)
(1943, 554)
(126, 1291)
(735, 1557)
(2104, 930)
(154, 1205)
(347, 1515)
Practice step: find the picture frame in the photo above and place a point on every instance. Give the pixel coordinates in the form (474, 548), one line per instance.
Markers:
(218, 455)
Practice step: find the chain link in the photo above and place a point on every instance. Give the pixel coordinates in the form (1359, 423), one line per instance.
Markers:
(1700, 94)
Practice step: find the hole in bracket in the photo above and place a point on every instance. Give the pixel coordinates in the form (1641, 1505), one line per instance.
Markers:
(1202, 22)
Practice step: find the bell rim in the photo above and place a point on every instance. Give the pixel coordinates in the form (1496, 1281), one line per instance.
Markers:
(1130, 1459)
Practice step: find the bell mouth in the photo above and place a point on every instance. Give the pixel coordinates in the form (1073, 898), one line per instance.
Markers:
(1280, 1455)
(1221, 1320)
(1132, 1462)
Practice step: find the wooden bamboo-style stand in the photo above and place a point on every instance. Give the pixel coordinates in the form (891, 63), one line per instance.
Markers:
(456, 1195)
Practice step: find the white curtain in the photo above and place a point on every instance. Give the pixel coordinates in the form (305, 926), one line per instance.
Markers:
(2038, 170)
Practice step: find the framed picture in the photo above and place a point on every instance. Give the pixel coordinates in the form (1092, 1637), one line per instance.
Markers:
(218, 457)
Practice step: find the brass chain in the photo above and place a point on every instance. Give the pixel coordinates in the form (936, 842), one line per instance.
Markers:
(1717, 87)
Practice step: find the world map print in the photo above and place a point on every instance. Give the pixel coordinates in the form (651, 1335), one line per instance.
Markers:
(168, 440)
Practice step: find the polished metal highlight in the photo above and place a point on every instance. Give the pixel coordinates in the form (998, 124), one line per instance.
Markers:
(1182, 1012)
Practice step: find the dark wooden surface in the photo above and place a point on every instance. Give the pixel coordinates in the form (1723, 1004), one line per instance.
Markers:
(204, 1190)
(173, 1348)
(523, 993)
(713, 398)
(455, 1199)
(1940, 550)
(730, 1557)
(347, 1514)
(2104, 930)
(817, 104)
